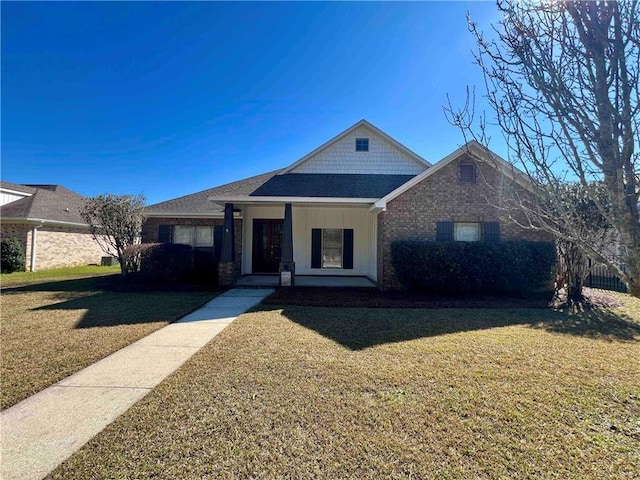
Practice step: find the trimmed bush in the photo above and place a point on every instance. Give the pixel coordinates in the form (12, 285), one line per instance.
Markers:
(455, 268)
(12, 255)
(165, 262)
(171, 263)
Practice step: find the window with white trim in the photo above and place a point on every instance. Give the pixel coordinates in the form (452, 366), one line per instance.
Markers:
(196, 236)
(331, 248)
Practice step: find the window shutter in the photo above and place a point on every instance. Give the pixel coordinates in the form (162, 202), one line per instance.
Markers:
(444, 231)
(491, 232)
(165, 233)
(316, 248)
(217, 241)
(347, 249)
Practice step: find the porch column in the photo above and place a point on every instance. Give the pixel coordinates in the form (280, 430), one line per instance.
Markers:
(228, 268)
(287, 266)
(228, 251)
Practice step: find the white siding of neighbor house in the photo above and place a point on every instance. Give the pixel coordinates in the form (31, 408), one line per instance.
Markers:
(304, 219)
(341, 157)
(8, 197)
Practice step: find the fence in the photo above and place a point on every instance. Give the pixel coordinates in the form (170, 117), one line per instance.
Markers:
(600, 277)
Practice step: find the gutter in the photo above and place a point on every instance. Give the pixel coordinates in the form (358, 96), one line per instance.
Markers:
(42, 222)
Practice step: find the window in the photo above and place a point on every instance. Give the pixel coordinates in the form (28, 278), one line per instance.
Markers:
(362, 144)
(332, 248)
(467, 173)
(466, 232)
(196, 236)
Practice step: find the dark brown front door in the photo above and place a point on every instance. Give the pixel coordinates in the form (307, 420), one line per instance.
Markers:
(267, 245)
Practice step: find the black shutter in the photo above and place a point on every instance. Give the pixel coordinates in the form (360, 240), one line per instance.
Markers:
(316, 248)
(347, 249)
(444, 231)
(165, 233)
(491, 232)
(217, 241)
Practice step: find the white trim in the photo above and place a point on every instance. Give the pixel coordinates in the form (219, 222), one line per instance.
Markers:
(15, 192)
(247, 200)
(362, 123)
(42, 221)
(472, 147)
(34, 237)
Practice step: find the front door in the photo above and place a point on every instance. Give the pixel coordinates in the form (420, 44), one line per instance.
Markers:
(267, 245)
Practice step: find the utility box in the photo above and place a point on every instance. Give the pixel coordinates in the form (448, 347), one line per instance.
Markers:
(109, 262)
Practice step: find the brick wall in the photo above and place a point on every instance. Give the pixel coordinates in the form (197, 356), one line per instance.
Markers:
(56, 247)
(65, 247)
(440, 197)
(150, 228)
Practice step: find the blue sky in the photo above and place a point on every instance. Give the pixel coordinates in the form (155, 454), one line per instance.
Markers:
(167, 99)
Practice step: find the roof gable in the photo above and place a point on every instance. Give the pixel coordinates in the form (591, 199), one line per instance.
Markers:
(472, 148)
(386, 156)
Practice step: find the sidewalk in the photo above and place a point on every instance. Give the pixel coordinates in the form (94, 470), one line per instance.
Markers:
(39, 433)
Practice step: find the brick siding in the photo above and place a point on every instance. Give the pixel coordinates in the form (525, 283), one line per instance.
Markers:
(56, 247)
(440, 197)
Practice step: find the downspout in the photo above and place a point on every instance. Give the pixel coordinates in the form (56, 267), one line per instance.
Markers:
(34, 236)
(34, 241)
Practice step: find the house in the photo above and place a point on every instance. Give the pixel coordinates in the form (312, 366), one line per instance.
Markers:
(337, 210)
(46, 219)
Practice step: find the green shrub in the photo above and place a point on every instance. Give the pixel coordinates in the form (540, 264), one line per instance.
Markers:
(474, 267)
(12, 255)
(165, 262)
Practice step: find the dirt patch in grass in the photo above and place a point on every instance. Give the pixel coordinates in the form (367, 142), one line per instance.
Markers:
(51, 330)
(326, 393)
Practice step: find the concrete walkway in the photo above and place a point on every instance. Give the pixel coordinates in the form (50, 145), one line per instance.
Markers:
(39, 433)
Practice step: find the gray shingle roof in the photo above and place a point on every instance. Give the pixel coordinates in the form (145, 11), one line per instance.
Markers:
(199, 202)
(47, 202)
(17, 187)
(331, 185)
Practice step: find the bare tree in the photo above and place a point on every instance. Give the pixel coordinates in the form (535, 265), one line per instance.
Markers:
(562, 79)
(116, 224)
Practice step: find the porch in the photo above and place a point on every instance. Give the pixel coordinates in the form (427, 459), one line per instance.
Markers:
(306, 281)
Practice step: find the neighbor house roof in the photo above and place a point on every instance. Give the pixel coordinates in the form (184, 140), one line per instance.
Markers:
(198, 203)
(52, 203)
(17, 187)
(330, 185)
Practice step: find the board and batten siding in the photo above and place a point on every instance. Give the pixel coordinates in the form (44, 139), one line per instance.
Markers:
(8, 197)
(341, 157)
(305, 219)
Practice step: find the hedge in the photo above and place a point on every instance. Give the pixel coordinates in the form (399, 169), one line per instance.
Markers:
(172, 262)
(12, 255)
(474, 267)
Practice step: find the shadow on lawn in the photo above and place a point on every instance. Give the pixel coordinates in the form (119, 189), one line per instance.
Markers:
(358, 328)
(109, 301)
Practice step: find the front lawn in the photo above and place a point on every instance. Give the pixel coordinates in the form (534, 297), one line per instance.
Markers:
(25, 278)
(307, 392)
(53, 329)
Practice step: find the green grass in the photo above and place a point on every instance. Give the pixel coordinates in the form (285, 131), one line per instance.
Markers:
(62, 324)
(23, 278)
(327, 393)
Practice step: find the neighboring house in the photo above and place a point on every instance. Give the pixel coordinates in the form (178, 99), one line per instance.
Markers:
(337, 210)
(46, 219)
